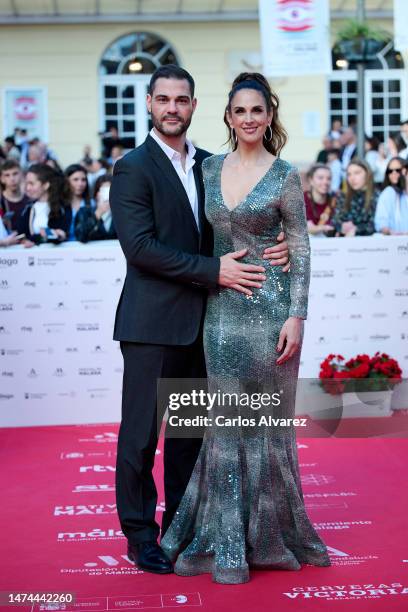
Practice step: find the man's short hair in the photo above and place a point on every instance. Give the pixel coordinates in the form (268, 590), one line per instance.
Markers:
(9, 164)
(171, 71)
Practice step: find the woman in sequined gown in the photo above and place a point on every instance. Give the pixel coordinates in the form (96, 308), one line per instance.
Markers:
(243, 507)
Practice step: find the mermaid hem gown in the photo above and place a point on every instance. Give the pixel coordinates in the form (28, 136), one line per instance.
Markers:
(243, 507)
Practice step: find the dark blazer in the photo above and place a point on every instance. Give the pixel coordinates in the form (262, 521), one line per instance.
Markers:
(61, 221)
(88, 227)
(169, 262)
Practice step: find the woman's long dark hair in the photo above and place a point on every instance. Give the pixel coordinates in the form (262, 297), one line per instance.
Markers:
(369, 188)
(256, 81)
(400, 186)
(58, 191)
(78, 168)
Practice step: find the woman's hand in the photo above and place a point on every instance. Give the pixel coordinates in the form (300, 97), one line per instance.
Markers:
(290, 336)
(348, 228)
(101, 209)
(10, 240)
(61, 234)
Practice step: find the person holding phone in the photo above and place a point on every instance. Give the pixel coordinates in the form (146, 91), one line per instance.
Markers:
(7, 239)
(48, 219)
(96, 224)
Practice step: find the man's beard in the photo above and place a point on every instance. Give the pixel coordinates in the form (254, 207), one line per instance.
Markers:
(177, 130)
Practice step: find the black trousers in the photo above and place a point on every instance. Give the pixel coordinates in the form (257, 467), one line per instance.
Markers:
(136, 494)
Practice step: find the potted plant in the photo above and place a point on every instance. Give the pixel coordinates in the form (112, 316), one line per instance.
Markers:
(357, 41)
(365, 382)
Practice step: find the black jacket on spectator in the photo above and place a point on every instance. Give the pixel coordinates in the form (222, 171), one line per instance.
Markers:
(88, 227)
(62, 221)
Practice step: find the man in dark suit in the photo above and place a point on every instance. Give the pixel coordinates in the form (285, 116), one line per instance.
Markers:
(157, 202)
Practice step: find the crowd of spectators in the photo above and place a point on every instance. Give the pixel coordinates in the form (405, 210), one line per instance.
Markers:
(42, 202)
(344, 196)
(348, 196)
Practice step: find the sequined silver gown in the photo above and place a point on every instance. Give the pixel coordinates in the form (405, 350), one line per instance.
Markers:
(243, 507)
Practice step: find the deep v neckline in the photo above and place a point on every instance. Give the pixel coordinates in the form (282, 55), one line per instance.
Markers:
(241, 202)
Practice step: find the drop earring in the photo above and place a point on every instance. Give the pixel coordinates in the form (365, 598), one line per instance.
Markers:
(268, 139)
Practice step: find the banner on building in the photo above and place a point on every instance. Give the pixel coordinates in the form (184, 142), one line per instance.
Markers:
(26, 109)
(295, 37)
(401, 25)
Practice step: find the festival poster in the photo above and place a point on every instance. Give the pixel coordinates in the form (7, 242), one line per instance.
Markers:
(295, 37)
(26, 108)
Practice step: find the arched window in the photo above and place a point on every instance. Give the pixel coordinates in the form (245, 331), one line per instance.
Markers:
(124, 74)
(385, 92)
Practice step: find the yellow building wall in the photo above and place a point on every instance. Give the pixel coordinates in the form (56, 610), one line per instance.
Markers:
(65, 59)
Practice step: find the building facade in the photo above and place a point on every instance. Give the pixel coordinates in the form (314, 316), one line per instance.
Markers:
(92, 68)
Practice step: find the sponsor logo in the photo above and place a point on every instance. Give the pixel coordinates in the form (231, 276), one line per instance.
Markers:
(94, 534)
(11, 352)
(33, 306)
(3, 330)
(60, 306)
(53, 328)
(100, 488)
(353, 295)
(97, 393)
(6, 396)
(4, 284)
(402, 249)
(30, 284)
(7, 374)
(85, 509)
(8, 262)
(356, 316)
(401, 292)
(35, 396)
(379, 315)
(6, 307)
(59, 372)
(89, 281)
(107, 436)
(80, 455)
(26, 329)
(316, 479)
(97, 468)
(58, 283)
(45, 261)
(69, 394)
(72, 349)
(378, 293)
(335, 525)
(32, 373)
(353, 338)
(384, 271)
(87, 327)
(90, 371)
(323, 274)
(93, 259)
(48, 350)
(380, 337)
(348, 592)
(91, 304)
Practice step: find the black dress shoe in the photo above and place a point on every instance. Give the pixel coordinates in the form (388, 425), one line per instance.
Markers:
(149, 557)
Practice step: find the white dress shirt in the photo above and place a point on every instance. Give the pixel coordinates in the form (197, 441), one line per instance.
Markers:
(186, 176)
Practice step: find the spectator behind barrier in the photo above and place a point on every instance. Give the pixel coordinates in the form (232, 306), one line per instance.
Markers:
(354, 214)
(391, 215)
(48, 219)
(374, 156)
(79, 193)
(13, 199)
(96, 224)
(334, 163)
(319, 201)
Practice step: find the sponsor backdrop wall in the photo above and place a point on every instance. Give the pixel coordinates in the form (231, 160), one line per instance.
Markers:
(59, 364)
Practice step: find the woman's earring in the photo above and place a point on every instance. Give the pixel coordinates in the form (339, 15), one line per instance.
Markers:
(268, 139)
(234, 137)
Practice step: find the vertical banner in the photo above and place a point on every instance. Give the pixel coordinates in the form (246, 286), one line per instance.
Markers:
(26, 109)
(401, 25)
(295, 37)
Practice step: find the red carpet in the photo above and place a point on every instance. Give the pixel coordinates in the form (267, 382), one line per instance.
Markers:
(61, 534)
